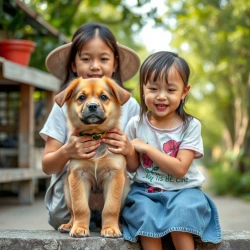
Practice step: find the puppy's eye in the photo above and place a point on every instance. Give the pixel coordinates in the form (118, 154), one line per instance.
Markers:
(81, 98)
(104, 98)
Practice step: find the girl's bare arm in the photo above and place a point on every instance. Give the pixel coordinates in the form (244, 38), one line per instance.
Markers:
(176, 166)
(132, 159)
(54, 157)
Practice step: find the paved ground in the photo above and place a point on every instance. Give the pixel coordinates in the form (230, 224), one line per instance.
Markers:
(14, 216)
(234, 214)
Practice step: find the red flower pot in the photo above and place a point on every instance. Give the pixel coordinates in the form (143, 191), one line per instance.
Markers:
(18, 51)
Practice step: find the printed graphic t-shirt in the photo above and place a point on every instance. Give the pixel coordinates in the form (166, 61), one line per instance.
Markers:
(168, 141)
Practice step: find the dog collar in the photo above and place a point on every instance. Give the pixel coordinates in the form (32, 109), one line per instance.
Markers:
(95, 136)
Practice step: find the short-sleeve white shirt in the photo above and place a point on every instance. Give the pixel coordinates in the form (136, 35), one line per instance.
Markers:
(168, 141)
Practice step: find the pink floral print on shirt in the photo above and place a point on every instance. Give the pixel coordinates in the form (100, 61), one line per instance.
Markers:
(154, 190)
(171, 147)
(147, 162)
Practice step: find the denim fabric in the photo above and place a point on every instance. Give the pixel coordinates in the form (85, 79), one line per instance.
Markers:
(159, 213)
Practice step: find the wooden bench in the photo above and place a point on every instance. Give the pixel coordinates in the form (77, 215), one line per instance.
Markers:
(25, 80)
(18, 174)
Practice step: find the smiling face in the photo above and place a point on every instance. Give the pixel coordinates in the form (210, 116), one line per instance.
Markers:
(95, 60)
(162, 98)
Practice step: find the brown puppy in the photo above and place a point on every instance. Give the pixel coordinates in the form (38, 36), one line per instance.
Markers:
(101, 182)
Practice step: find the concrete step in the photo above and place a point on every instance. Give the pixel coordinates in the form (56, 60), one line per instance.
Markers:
(53, 240)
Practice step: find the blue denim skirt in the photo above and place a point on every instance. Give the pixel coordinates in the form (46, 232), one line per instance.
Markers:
(155, 214)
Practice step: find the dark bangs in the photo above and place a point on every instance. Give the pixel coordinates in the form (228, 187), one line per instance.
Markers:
(157, 67)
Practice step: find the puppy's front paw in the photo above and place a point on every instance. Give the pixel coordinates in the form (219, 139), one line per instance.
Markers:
(64, 228)
(79, 232)
(111, 232)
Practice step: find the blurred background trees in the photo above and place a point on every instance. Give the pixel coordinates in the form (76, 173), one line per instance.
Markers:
(212, 35)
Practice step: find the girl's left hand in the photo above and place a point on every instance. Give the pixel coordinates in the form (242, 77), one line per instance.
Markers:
(118, 140)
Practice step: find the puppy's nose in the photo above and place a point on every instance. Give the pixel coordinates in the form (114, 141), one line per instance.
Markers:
(92, 106)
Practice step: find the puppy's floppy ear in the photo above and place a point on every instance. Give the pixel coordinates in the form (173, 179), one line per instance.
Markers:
(120, 93)
(63, 96)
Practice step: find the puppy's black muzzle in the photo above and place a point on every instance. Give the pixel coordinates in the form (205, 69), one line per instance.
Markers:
(92, 107)
(93, 114)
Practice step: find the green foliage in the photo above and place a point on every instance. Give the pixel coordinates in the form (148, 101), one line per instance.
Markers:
(227, 179)
(12, 24)
(224, 180)
(230, 181)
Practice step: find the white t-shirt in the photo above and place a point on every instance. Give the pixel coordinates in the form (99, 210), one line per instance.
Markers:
(168, 141)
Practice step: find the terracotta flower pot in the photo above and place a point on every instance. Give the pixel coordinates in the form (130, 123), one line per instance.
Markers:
(18, 51)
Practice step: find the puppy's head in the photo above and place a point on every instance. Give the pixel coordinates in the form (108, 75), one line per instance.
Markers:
(94, 104)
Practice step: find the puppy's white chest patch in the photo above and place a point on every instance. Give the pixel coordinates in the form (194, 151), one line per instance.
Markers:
(101, 151)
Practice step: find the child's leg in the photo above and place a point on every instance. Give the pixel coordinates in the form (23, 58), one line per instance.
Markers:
(149, 243)
(183, 241)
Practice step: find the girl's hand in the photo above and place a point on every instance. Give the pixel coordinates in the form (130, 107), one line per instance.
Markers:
(140, 146)
(81, 147)
(57, 154)
(119, 142)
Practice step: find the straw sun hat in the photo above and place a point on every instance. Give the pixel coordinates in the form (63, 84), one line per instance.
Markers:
(56, 61)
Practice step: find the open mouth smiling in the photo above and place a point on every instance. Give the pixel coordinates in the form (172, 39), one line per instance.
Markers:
(161, 106)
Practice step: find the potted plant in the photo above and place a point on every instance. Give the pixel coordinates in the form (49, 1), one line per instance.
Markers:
(14, 47)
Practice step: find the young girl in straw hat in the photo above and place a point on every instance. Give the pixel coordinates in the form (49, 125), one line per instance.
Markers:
(93, 52)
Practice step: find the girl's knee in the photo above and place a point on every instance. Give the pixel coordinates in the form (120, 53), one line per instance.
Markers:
(182, 240)
(149, 243)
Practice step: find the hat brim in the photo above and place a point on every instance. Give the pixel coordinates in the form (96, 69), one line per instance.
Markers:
(56, 61)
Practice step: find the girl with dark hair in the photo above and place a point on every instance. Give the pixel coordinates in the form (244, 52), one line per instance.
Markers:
(93, 52)
(157, 68)
(162, 147)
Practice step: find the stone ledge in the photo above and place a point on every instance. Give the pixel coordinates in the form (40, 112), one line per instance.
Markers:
(53, 240)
